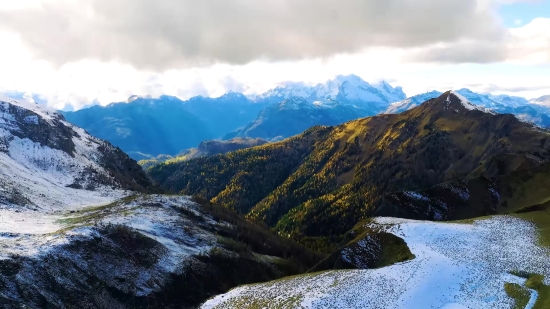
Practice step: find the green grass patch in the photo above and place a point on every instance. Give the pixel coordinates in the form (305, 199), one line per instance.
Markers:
(542, 220)
(536, 282)
(520, 294)
(94, 213)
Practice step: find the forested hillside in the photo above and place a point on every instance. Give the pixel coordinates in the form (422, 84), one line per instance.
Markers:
(318, 185)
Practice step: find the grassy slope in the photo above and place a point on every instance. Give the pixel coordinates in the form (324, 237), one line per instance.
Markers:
(522, 294)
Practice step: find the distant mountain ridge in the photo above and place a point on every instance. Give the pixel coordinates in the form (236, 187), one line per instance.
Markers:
(146, 127)
(205, 148)
(350, 89)
(522, 108)
(295, 115)
(544, 100)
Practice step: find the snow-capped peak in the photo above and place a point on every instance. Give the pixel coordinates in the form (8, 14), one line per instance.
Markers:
(296, 103)
(393, 94)
(346, 89)
(510, 101)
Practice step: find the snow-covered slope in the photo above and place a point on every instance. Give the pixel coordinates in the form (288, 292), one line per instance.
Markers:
(78, 231)
(349, 89)
(457, 266)
(478, 99)
(144, 251)
(47, 163)
(544, 100)
(412, 102)
(467, 104)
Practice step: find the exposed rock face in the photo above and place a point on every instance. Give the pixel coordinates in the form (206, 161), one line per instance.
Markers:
(42, 154)
(480, 196)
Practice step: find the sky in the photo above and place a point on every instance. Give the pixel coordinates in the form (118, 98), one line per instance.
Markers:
(75, 53)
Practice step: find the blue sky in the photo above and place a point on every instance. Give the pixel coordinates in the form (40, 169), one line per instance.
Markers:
(525, 12)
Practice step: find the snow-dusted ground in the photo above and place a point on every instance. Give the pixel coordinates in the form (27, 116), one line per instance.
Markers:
(51, 242)
(457, 266)
(156, 217)
(28, 233)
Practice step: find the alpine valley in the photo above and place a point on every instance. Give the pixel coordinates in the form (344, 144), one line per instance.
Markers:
(338, 195)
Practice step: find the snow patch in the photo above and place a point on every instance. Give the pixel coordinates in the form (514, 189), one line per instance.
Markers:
(468, 105)
(416, 196)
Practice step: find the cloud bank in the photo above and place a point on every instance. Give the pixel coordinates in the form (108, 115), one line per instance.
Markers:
(157, 35)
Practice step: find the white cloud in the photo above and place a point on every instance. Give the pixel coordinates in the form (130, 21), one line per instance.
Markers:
(421, 63)
(530, 43)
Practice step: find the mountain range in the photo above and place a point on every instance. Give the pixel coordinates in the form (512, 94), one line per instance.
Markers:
(81, 225)
(145, 127)
(350, 89)
(295, 115)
